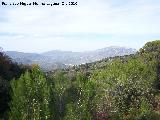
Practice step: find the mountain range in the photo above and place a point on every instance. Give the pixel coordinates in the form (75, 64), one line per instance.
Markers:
(61, 59)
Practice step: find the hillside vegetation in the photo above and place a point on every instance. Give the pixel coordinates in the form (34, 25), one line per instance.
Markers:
(8, 71)
(115, 88)
(56, 59)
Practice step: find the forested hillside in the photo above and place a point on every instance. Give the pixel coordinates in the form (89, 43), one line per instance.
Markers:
(57, 59)
(115, 88)
(8, 71)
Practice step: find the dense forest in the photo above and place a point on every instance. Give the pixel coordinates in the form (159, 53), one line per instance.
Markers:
(115, 88)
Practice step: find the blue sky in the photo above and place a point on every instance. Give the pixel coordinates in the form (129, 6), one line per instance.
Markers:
(91, 25)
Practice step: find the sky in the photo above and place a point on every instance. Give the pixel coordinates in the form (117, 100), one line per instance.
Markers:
(92, 24)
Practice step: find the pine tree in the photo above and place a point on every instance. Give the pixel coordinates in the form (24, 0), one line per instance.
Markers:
(30, 97)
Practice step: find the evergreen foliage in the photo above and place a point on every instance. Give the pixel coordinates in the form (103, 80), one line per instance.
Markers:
(119, 88)
(8, 71)
(30, 97)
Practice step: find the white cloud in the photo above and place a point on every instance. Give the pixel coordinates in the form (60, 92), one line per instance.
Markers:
(42, 24)
(93, 17)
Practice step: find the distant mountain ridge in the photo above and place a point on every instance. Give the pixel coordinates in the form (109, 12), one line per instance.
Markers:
(61, 59)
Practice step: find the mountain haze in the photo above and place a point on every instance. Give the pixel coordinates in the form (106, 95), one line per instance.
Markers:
(61, 59)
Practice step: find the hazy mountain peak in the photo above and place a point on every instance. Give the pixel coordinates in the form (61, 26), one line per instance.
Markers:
(58, 59)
